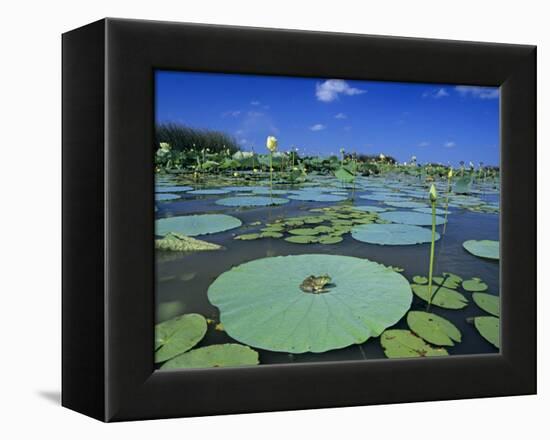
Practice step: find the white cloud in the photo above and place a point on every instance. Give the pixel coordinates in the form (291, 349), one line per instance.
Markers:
(340, 116)
(317, 127)
(449, 144)
(255, 103)
(478, 92)
(435, 93)
(254, 114)
(232, 113)
(329, 90)
(424, 144)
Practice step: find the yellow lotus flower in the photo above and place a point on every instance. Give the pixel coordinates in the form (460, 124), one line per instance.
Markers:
(271, 143)
(450, 173)
(433, 193)
(255, 170)
(236, 174)
(165, 146)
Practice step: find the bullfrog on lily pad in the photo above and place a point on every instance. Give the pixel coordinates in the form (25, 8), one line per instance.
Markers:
(313, 284)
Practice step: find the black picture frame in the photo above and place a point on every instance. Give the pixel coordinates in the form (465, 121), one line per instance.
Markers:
(108, 219)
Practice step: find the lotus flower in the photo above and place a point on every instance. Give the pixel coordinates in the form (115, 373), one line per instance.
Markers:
(271, 143)
(433, 194)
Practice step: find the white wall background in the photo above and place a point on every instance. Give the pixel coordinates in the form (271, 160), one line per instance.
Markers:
(30, 217)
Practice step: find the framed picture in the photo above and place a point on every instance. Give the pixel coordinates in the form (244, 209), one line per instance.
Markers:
(261, 219)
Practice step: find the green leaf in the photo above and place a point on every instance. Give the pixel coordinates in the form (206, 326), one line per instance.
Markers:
(304, 231)
(252, 236)
(344, 175)
(222, 355)
(330, 239)
(410, 218)
(433, 328)
(301, 239)
(271, 234)
(441, 296)
(392, 234)
(178, 335)
(474, 285)
(262, 304)
(483, 248)
(247, 201)
(489, 328)
(403, 344)
(420, 279)
(488, 303)
(192, 225)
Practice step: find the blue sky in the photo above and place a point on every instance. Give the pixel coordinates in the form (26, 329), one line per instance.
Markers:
(435, 122)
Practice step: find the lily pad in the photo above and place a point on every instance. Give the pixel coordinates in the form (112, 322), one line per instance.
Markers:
(420, 279)
(448, 280)
(429, 211)
(192, 225)
(474, 285)
(489, 328)
(163, 197)
(181, 243)
(220, 355)
(301, 239)
(251, 201)
(304, 231)
(489, 303)
(170, 189)
(392, 234)
(246, 237)
(384, 197)
(316, 197)
(209, 192)
(441, 296)
(403, 344)
(261, 303)
(405, 204)
(483, 248)
(433, 328)
(410, 218)
(330, 239)
(178, 335)
(370, 208)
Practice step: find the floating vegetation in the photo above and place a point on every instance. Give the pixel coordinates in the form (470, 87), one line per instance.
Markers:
(392, 234)
(488, 303)
(209, 192)
(489, 328)
(172, 189)
(249, 201)
(362, 299)
(221, 355)
(163, 197)
(441, 296)
(410, 218)
(474, 285)
(178, 335)
(178, 242)
(404, 344)
(316, 197)
(483, 248)
(200, 224)
(433, 328)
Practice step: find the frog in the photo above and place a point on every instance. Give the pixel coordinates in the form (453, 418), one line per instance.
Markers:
(313, 284)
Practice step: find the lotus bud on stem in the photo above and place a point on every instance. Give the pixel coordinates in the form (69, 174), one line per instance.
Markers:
(449, 179)
(433, 200)
(271, 144)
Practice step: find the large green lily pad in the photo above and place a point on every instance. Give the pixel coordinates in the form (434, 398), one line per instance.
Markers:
(209, 192)
(392, 234)
(178, 335)
(489, 328)
(220, 355)
(410, 218)
(370, 208)
(441, 296)
(246, 201)
(405, 204)
(489, 303)
(262, 304)
(483, 248)
(192, 225)
(403, 344)
(433, 328)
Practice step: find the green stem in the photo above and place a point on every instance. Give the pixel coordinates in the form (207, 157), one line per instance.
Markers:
(447, 204)
(271, 175)
(432, 250)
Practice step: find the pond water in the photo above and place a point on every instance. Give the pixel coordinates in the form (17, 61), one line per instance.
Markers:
(183, 278)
